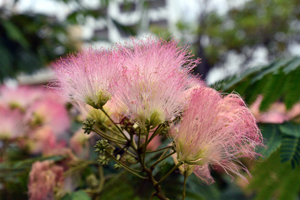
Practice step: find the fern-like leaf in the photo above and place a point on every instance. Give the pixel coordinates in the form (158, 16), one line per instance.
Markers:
(290, 129)
(290, 150)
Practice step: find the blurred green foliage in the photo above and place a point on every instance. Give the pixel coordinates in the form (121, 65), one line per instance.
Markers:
(30, 41)
(273, 25)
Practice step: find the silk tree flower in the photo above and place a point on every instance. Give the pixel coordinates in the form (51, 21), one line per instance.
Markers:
(12, 124)
(20, 97)
(156, 76)
(195, 83)
(89, 76)
(44, 177)
(215, 130)
(50, 113)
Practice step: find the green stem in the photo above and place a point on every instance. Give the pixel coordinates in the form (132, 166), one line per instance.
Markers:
(168, 147)
(157, 131)
(163, 154)
(145, 145)
(127, 151)
(79, 167)
(159, 193)
(133, 144)
(170, 172)
(161, 159)
(152, 195)
(123, 148)
(133, 171)
(102, 179)
(99, 132)
(139, 138)
(113, 131)
(184, 185)
(114, 123)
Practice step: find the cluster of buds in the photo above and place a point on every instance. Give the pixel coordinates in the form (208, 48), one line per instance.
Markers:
(104, 151)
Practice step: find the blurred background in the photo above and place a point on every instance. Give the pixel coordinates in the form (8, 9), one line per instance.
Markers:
(247, 46)
(228, 35)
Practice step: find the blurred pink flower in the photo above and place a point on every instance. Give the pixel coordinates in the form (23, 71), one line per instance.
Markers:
(156, 76)
(89, 76)
(49, 113)
(277, 113)
(11, 124)
(215, 131)
(41, 140)
(70, 158)
(43, 178)
(20, 97)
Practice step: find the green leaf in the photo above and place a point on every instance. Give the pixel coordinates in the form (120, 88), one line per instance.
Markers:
(293, 65)
(271, 69)
(290, 150)
(272, 90)
(276, 81)
(15, 34)
(272, 179)
(291, 88)
(290, 129)
(272, 136)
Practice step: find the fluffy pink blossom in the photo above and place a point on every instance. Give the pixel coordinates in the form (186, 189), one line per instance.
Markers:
(156, 76)
(49, 113)
(89, 76)
(195, 83)
(215, 130)
(43, 178)
(12, 124)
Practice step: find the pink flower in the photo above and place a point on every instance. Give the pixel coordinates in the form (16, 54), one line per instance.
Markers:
(277, 113)
(41, 140)
(89, 76)
(12, 124)
(215, 131)
(49, 113)
(156, 76)
(20, 97)
(195, 83)
(43, 178)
